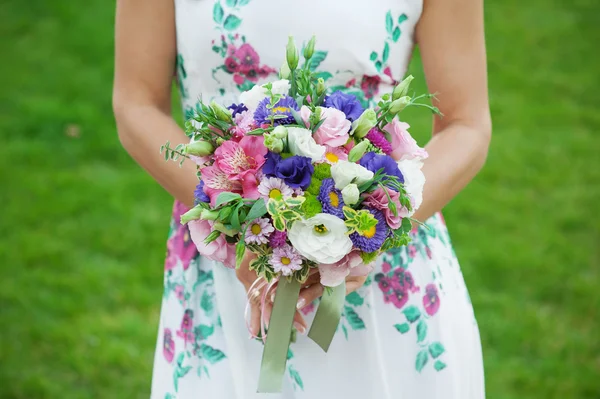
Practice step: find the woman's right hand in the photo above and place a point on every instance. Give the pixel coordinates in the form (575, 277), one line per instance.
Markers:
(247, 277)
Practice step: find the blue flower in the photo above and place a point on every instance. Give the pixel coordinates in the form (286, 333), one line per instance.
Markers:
(282, 107)
(331, 198)
(375, 162)
(371, 240)
(237, 109)
(199, 194)
(295, 171)
(347, 103)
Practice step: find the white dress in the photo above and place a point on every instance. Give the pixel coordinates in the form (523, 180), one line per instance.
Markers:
(410, 331)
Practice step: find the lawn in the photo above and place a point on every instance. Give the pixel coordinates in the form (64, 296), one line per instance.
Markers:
(82, 227)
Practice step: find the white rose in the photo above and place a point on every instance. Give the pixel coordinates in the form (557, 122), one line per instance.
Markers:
(344, 173)
(301, 143)
(322, 238)
(350, 194)
(255, 95)
(414, 181)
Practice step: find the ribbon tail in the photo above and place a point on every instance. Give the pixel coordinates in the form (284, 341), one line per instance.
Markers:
(275, 353)
(328, 316)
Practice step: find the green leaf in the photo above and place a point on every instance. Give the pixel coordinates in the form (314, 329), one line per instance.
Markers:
(231, 3)
(232, 22)
(389, 22)
(421, 330)
(354, 299)
(225, 213)
(439, 365)
(258, 209)
(353, 319)
(218, 13)
(247, 85)
(226, 197)
(373, 56)
(406, 225)
(203, 331)
(345, 330)
(396, 34)
(279, 224)
(294, 202)
(378, 66)
(412, 313)
(206, 303)
(323, 75)
(243, 2)
(436, 349)
(290, 354)
(386, 52)
(421, 361)
(240, 250)
(294, 374)
(180, 359)
(402, 328)
(316, 59)
(211, 354)
(235, 217)
(402, 18)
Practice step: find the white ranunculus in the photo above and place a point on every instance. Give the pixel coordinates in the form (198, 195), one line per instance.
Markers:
(301, 143)
(255, 95)
(350, 194)
(414, 181)
(322, 238)
(344, 173)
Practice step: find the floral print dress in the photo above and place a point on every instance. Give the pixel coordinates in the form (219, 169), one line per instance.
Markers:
(410, 331)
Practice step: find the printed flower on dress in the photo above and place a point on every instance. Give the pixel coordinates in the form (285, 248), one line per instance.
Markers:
(431, 300)
(186, 328)
(168, 345)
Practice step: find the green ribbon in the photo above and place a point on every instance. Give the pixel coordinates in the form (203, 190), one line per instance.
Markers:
(275, 353)
(328, 316)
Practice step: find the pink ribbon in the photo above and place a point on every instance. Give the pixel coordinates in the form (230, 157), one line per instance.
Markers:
(257, 285)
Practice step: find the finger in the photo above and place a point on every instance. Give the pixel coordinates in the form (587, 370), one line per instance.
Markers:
(354, 283)
(300, 323)
(314, 279)
(267, 313)
(255, 320)
(308, 295)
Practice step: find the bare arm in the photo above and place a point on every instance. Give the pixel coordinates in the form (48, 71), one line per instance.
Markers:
(145, 51)
(451, 39)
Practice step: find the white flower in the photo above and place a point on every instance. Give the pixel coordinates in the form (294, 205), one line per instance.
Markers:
(322, 238)
(344, 173)
(301, 143)
(255, 95)
(414, 181)
(350, 194)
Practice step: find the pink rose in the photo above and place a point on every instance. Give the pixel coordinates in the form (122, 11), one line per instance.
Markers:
(351, 264)
(334, 130)
(379, 200)
(218, 250)
(405, 147)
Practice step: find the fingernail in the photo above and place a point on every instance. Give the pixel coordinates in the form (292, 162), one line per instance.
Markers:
(299, 327)
(301, 303)
(273, 297)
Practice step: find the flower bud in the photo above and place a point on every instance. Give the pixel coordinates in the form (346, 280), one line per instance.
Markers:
(358, 151)
(218, 226)
(280, 132)
(207, 214)
(192, 214)
(291, 53)
(350, 194)
(273, 143)
(321, 86)
(398, 105)
(221, 112)
(402, 88)
(364, 123)
(310, 48)
(199, 148)
(284, 71)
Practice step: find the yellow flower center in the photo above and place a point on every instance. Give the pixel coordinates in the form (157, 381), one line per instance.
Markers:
(256, 229)
(286, 261)
(370, 232)
(331, 157)
(321, 229)
(275, 193)
(281, 109)
(334, 199)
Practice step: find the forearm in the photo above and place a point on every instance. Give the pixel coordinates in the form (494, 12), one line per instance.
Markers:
(142, 130)
(456, 154)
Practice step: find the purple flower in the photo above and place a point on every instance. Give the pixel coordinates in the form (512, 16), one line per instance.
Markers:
(371, 240)
(168, 345)
(347, 103)
(199, 194)
(295, 171)
(431, 300)
(278, 239)
(396, 297)
(262, 115)
(237, 109)
(378, 140)
(375, 162)
(331, 198)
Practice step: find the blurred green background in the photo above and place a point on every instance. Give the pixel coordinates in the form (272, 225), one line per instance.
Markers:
(82, 228)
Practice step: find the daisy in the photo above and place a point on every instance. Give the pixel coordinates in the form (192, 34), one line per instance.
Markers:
(258, 231)
(334, 154)
(286, 260)
(331, 198)
(272, 187)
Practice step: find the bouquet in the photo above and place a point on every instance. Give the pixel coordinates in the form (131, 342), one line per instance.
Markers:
(303, 179)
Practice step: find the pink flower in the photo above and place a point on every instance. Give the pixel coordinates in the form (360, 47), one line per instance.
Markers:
(216, 181)
(334, 154)
(388, 72)
(286, 260)
(334, 130)
(385, 284)
(386, 267)
(397, 297)
(370, 85)
(412, 251)
(238, 79)
(258, 231)
(403, 280)
(231, 65)
(168, 345)
(431, 300)
(234, 158)
(248, 57)
(218, 250)
(308, 308)
(405, 147)
(333, 275)
(185, 330)
(379, 200)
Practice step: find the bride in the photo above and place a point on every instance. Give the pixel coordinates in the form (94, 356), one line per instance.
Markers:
(408, 329)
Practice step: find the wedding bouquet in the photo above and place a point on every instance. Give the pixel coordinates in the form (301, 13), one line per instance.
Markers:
(303, 179)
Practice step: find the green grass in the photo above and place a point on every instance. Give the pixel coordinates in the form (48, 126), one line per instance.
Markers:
(82, 227)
